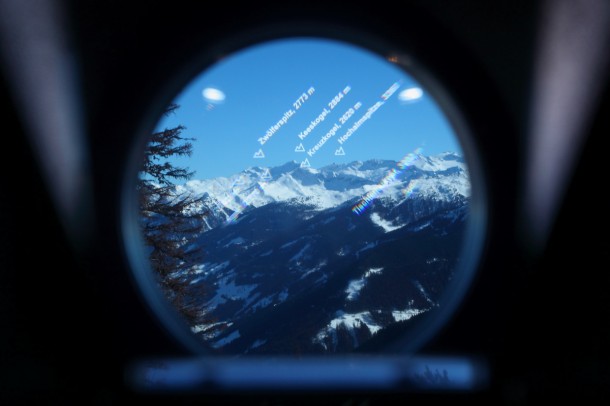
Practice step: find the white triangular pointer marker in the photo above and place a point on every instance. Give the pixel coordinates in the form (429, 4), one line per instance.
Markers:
(266, 175)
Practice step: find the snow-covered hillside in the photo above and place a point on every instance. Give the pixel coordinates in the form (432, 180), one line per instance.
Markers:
(323, 260)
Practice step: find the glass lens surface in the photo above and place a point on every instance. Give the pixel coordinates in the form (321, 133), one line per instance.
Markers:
(303, 196)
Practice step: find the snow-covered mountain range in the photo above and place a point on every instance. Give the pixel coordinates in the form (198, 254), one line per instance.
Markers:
(441, 177)
(303, 260)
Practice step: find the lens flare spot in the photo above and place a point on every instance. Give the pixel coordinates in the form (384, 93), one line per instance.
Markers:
(411, 94)
(213, 95)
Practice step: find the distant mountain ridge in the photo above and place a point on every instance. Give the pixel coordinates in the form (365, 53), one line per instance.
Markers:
(289, 266)
(439, 177)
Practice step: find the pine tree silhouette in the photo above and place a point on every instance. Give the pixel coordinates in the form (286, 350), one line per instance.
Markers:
(171, 221)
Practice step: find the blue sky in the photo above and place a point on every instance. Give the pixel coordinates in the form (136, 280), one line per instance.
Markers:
(253, 89)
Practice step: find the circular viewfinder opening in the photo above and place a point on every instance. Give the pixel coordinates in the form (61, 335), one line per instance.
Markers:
(303, 196)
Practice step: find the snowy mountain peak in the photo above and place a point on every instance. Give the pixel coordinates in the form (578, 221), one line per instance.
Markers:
(442, 177)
